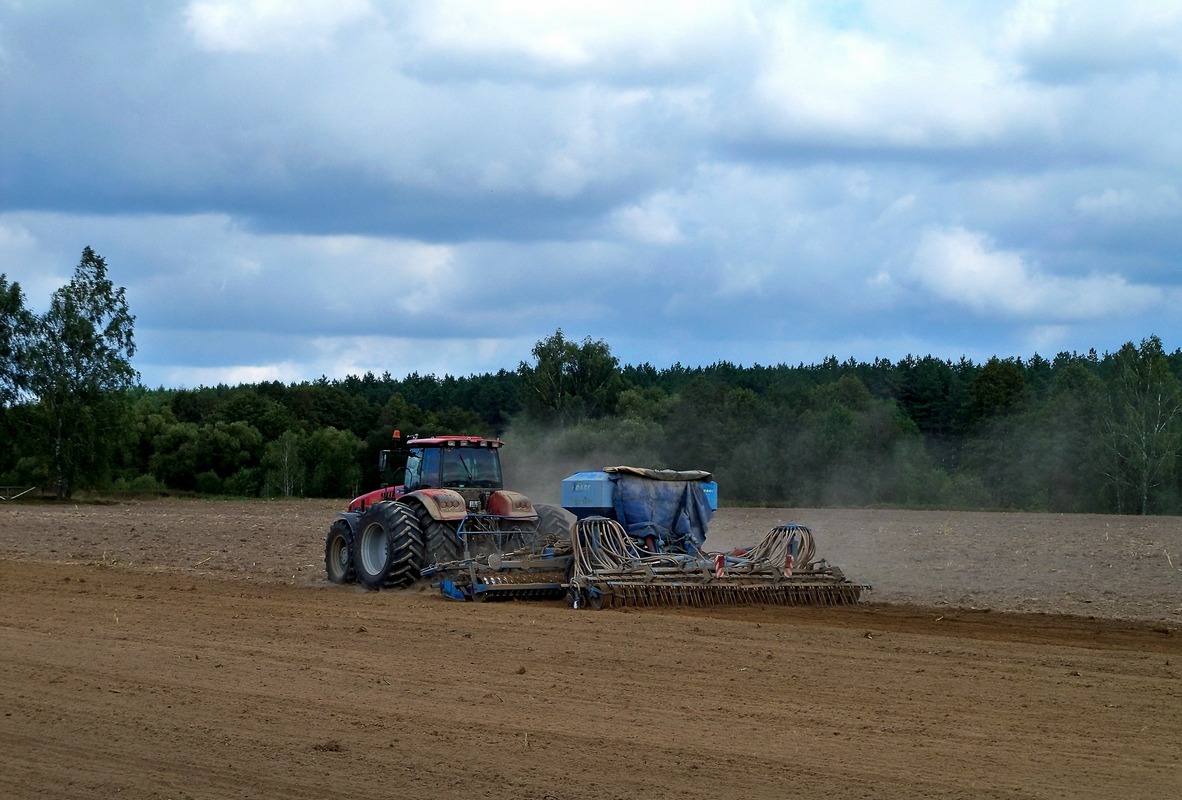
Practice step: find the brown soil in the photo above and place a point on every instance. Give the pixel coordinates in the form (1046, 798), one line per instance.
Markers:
(193, 649)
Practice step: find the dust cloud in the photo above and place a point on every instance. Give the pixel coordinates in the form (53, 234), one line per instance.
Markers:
(535, 460)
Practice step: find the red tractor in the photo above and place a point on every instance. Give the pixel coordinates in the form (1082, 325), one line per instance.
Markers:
(450, 505)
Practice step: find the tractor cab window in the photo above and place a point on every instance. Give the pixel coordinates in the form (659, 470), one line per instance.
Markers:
(422, 469)
(471, 467)
(414, 468)
(429, 476)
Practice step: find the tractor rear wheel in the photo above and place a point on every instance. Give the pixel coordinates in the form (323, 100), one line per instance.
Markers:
(338, 553)
(388, 549)
(441, 541)
(554, 521)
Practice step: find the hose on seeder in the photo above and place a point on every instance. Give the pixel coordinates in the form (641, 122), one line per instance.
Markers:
(612, 568)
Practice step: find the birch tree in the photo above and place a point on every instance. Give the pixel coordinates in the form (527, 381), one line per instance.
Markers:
(79, 361)
(1142, 424)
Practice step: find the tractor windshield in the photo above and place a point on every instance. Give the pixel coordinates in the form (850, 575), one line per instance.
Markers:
(471, 468)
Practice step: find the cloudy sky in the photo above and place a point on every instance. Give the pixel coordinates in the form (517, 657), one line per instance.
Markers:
(296, 188)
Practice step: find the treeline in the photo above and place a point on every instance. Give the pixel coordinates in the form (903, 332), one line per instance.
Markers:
(1077, 433)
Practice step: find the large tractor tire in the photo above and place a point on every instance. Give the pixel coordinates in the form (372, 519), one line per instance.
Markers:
(338, 553)
(555, 521)
(442, 544)
(388, 549)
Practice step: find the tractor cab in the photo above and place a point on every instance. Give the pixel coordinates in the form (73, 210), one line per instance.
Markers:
(470, 465)
(452, 463)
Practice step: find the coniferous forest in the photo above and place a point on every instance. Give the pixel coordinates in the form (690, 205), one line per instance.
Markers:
(1073, 433)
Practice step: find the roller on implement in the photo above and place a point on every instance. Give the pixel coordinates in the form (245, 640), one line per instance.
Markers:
(528, 573)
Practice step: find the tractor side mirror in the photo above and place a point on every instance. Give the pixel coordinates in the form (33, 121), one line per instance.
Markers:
(383, 458)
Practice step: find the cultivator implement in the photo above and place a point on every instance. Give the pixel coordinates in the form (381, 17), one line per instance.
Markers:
(611, 569)
(528, 573)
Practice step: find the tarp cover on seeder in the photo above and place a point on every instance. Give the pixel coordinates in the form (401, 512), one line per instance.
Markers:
(667, 505)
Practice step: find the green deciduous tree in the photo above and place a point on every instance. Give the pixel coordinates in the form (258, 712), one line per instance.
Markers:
(227, 455)
(847, 445)
(324, 463)
(706, 422)
(174, 455)
(570, 381)
(998, 389)
(1142, 424)
(79, 362)
(283, 463)
(1066, 441)
(333, 463)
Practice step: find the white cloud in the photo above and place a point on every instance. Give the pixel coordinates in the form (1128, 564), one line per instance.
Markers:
(29, 262)
(1048, 338)
(1074, 40)
(512, 38)
(1126, 204)
(367, 275)
(356, 355)
(929, 80)
(963, 267)
(897, 208)
(253, 26)
(190, 377)
(745, 279)
(650, 223)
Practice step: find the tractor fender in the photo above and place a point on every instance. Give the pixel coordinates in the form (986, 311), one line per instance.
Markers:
(503, 503)
(441, 504)
(366, 500)
(351, 518)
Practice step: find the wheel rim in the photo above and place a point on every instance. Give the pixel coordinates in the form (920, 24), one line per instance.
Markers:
(374, 549)
(339, 554)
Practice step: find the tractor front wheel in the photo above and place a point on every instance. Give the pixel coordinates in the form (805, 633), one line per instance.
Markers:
(388, 549)
(338, 553)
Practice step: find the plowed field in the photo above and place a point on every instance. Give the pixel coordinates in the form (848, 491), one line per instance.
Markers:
(193, 649)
